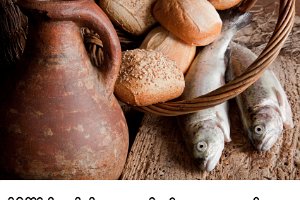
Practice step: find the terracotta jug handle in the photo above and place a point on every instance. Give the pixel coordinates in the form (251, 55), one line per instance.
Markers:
(86, 13)
(90, 15)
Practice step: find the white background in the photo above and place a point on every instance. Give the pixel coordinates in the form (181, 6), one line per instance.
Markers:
(143, 190)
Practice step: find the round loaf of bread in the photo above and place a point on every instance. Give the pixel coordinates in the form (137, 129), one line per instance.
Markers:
(196, 22)
(134, 16)
(224, 4)
(147, 77)
(159, 39)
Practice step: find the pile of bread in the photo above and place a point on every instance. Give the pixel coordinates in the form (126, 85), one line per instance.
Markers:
(155, 72)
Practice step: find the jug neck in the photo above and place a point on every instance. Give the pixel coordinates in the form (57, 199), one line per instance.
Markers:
(46, 6)
(58, 41)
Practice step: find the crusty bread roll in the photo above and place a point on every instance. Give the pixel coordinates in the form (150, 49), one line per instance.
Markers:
(224, 4)
(194, 21)
(159, 39)
(147, 77)
(134, 16)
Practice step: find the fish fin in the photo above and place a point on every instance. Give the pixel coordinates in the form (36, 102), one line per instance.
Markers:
(288, 123)
(228, 74)
(227, 57)
(279, 98)
(285, 110)
(224, 126)
(235, 66)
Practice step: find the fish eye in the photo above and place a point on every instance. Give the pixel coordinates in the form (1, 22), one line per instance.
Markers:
(259, 129)
(201, 146)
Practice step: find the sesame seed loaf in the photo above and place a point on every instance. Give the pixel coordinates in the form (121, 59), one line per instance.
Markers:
(147, 77)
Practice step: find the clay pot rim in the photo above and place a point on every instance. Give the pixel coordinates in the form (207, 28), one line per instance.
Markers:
(49, 1)
(48, 4)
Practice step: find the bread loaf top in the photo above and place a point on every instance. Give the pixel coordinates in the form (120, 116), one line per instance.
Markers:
(134, 16)
(147, 77)
(194, 21)
(159, 39)
(224, 4)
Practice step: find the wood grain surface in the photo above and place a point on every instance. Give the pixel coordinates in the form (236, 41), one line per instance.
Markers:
(158, 151)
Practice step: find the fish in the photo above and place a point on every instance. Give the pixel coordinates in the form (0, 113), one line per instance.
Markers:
(264, 106)
(206, 131)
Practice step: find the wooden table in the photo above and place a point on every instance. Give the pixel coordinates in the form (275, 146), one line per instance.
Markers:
(158, 151)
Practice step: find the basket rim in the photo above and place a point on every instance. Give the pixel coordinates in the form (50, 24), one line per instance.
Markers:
(241, 83)
(284, 25)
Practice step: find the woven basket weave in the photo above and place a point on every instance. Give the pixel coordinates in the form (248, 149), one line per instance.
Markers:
(235, 87)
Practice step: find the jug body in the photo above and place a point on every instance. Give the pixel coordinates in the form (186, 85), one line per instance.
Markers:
(61, 121)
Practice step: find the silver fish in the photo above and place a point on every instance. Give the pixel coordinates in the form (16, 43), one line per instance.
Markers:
(263, 106)
(206, 131)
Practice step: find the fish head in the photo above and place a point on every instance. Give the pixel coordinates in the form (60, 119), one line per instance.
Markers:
(208, 147)
(266, 128)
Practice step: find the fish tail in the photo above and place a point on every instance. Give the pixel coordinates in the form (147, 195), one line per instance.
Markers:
(234, 19)
(242, 20)
(228, 56)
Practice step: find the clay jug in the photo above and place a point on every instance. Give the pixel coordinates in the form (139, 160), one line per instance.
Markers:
(62, 120)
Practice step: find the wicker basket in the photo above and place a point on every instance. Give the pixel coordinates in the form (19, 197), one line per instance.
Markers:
(239, 84)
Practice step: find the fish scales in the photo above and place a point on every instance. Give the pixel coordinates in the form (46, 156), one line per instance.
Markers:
(205, 75)
(206, 131)
(263, 106)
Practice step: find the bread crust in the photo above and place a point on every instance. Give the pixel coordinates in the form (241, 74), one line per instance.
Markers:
(134, 16)
(148, 77)
(224, 4)
(196, 22)
(159, 39)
